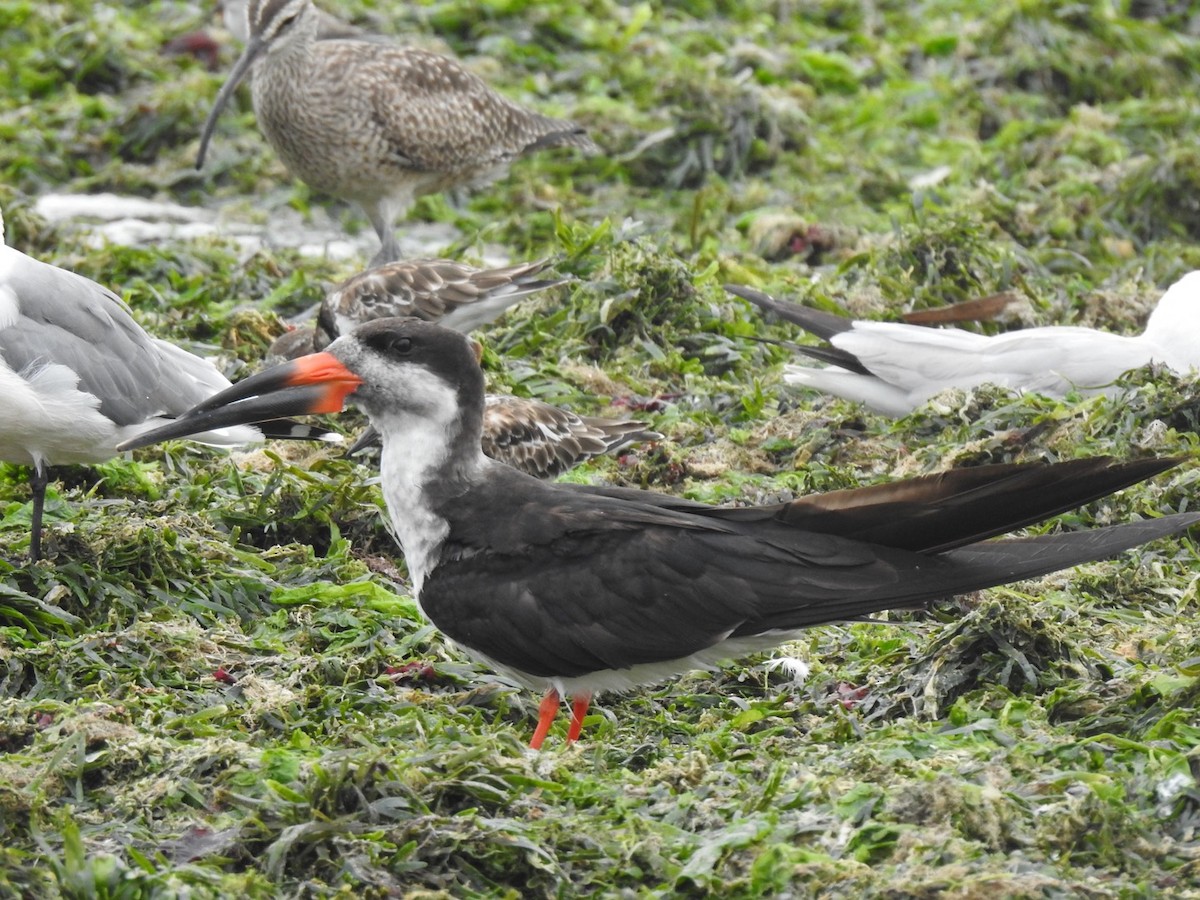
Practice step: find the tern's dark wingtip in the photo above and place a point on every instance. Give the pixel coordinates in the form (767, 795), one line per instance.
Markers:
(741, 290)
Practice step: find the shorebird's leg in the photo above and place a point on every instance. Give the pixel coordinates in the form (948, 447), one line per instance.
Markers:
(382, 215)
(546, 712)
(579, 708)
(38, 480)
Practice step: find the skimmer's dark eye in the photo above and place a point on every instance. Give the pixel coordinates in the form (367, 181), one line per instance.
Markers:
(391, 341)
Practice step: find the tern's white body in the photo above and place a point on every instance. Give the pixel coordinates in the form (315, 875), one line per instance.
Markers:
(51, 419)
(911, 363)
(78, 375)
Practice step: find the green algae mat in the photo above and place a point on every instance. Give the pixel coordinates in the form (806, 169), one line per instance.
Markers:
(218, 685)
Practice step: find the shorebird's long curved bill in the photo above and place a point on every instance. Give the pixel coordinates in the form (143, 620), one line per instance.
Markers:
(317, 383)
(254, 47)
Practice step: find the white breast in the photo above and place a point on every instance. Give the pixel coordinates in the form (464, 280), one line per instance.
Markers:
(417, 528)
(416, 447)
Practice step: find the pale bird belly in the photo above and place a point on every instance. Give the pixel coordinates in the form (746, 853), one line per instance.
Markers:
(60, 437)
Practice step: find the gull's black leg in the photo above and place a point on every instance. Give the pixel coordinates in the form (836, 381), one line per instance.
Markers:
(37, 482)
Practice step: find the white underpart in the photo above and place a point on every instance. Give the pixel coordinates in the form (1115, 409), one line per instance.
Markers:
(415, 446)
(10, 306)
(872, 392)
(912, 363)
(48, 420)
(647, 673)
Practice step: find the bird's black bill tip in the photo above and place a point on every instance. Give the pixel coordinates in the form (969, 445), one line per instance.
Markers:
(282, 404)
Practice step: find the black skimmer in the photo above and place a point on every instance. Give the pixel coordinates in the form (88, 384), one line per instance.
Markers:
(78, 376)
(893, 367)
(376, 123)
(577, 589)
(453, 294)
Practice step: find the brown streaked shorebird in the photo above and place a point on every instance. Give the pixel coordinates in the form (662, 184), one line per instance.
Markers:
(544, 440)
(377, 123)
(576, 589)
(453, 294)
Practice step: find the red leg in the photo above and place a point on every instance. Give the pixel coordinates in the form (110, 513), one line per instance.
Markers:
(546, 712)
(579, 708)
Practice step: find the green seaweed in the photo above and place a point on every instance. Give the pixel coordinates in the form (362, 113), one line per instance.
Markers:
(218, 684)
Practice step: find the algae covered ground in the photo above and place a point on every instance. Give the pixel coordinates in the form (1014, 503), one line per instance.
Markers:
(218, 685)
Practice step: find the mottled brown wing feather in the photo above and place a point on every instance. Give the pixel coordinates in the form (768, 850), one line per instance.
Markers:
(440, 117)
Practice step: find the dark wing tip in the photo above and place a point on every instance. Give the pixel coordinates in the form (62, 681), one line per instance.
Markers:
(822, 324)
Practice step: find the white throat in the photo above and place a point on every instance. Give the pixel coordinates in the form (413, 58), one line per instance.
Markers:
(416, 448)
(408, 464)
